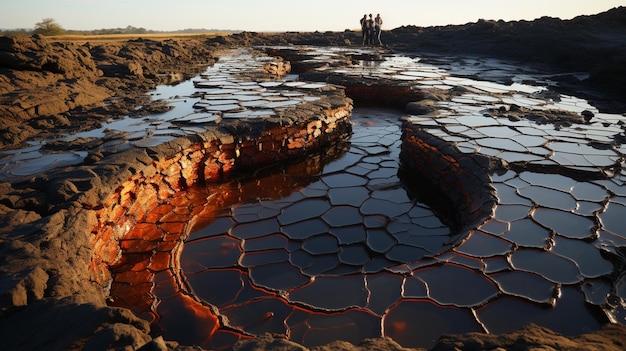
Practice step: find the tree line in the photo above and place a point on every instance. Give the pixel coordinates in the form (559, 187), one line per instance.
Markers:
(49, 27)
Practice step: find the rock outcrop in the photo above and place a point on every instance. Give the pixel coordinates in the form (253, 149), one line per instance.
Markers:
(48, 86)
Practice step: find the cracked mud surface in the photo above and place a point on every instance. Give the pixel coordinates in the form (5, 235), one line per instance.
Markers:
(344, 237)
(531, 177)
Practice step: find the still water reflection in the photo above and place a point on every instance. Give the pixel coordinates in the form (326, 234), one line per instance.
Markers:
(316, 236)
(339, 247)
(334, 246)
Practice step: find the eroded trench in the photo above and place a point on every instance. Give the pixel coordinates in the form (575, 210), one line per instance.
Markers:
(349, 237)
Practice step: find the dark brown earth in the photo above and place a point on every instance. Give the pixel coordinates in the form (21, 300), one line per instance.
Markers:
(47, 87)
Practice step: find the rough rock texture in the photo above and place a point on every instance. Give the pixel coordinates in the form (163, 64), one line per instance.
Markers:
(426, 156)
(530, 338)
(270, 342)
(533, 337)
(66, 324)
(47, 299)
(48, 86)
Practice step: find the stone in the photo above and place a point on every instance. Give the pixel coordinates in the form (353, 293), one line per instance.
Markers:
(116, 336)
(587, 115)
(533, 337)
(63, 323)
(26, 288)
(135, 69)
(422, 107)
(157, 344)
(268, 342)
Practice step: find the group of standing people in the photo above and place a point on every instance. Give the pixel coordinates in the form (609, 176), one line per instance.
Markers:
(371, 28)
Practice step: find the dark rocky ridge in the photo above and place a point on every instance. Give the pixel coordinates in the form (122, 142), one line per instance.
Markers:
(50, 87)
(591, 44)
(586, 44)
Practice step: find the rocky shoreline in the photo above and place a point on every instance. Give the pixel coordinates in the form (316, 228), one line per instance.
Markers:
(50, 87)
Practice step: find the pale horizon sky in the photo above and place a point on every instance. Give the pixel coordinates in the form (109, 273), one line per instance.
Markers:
(282, 15)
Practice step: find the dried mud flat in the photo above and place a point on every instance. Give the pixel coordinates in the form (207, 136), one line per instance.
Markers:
(47, 298)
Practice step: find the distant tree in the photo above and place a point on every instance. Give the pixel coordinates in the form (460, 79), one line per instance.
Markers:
(48, 26)
(19, 31)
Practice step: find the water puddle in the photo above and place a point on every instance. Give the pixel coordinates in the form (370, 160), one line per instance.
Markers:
(341, 245)
(318, 234)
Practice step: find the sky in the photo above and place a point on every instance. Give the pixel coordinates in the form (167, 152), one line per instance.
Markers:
(282, 15)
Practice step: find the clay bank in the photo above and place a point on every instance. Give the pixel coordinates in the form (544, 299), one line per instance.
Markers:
(296, 191)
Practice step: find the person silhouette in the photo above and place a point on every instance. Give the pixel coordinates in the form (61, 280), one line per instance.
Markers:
(363, 28)
(378, 25)
(369, 37)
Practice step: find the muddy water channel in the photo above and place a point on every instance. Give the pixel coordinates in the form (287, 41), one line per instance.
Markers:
(342, 244)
